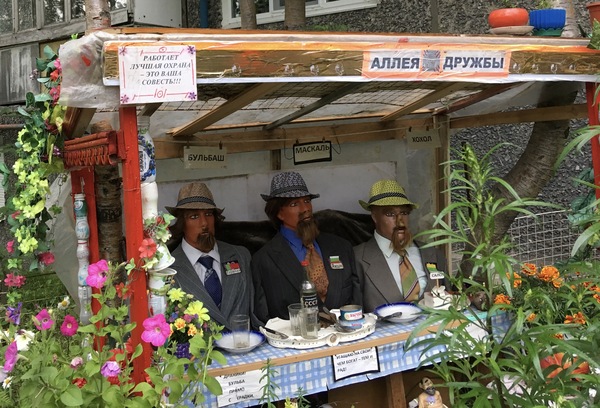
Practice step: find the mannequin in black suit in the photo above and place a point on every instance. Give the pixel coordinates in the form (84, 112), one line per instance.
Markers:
(276, 270)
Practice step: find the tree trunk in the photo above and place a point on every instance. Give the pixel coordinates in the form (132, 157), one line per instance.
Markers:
(97, 15)
(533, 170)
(571, 29)
(248, 14)
(295, 15)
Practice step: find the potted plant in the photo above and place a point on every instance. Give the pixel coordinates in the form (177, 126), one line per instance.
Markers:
(594, 10)
(509, 354)
(546, 20)
(509, 15)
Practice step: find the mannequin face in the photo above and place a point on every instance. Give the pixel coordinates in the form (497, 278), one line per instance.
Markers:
(199, 229)
(391, 221)
(294, 211)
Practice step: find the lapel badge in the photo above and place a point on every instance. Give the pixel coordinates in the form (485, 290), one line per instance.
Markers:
(335, 263)
(233, 267)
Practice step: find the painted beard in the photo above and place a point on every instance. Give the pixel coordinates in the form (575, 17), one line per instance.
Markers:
(400, 244)
(307, 230)
(205, 242)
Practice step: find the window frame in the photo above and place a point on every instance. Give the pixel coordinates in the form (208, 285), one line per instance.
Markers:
(323, 7)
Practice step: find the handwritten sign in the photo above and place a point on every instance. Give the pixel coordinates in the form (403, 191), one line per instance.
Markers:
(157, 74)
(436, 275)
(239, 387)
(355, 362)
(199, 157)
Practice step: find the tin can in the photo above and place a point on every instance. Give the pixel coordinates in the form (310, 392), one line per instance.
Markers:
(351, 316)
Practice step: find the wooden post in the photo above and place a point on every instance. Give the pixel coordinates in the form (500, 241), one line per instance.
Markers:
(594, 120)
(134, 230)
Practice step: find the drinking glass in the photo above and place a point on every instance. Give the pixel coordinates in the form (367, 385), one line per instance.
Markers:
(295, 318)
(240, 326)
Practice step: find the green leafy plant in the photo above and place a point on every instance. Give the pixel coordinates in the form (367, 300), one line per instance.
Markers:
(269, 389)
(51, 360)
(498, 357)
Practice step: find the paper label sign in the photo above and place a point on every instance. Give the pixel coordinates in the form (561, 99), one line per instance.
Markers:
(423, 139)
(436, 275)
(200, 157)
(157, 74)
(239, 387)
(312, 152)
(355, 362)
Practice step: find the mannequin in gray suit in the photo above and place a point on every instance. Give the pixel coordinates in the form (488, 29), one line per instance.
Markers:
(197, 218)
(378, 259)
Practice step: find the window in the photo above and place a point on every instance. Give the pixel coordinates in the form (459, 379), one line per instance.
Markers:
(271, 11)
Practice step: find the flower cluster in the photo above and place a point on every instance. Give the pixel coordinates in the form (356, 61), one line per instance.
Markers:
(156, 234)
(545, 296)
(50, 359)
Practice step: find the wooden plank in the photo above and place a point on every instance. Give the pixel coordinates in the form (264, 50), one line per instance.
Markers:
(226, 109)
(578, 111)
(478, 97)
(396, 396)
(76, 121)
(426, 100)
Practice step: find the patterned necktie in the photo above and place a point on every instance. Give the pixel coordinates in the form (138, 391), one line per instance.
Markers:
(212, 284)
(408, 277)
(316, 271)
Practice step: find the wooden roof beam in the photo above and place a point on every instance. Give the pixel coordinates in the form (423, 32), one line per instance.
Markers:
(475, 98)
(426, 100)
(226, 109)
(339, 93)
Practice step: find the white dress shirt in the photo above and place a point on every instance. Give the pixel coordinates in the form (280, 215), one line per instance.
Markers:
(194, 254)
(393, 260)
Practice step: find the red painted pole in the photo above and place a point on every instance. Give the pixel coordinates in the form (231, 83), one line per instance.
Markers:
(594, 120)
(134, 231)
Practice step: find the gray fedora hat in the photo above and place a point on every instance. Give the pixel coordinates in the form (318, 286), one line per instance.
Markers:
(194, 196)
(288, 184)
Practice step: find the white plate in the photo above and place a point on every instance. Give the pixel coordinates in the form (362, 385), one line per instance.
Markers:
(446, 306)
(328, 336)
(226, 342)
(409, 312)
(512, 30)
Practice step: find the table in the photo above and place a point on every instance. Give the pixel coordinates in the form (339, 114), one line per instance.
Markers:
(313, 369)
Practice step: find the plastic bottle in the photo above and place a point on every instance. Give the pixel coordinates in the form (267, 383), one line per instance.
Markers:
(85, 299)
(308, 290)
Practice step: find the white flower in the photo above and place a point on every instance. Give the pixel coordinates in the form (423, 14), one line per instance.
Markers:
(6, 383)
(23, 337)
(63, 304)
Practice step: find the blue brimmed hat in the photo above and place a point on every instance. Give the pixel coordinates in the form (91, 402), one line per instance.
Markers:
(387, 192)
(289, 184)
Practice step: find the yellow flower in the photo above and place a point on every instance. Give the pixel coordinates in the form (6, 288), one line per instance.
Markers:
(192, 330)
(516, 279)
(179, 323)
(531, 317)
(529, 269)
(175, 295)
(577, 318)
(197, 308)
(502, 299)
(549, 274)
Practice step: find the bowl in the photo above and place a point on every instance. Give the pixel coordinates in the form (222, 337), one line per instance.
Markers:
(226, 342)
(409, 312)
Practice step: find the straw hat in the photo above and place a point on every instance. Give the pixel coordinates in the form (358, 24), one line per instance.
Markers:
(194, 196)
(387, 192)
(289, 184)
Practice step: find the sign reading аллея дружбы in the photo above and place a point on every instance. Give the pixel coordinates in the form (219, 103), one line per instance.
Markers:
(157, 74)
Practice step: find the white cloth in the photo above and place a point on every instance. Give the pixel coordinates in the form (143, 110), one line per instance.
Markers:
(393, 260)
(194, 254)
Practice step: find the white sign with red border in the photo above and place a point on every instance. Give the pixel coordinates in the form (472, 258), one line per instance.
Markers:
(157, 74)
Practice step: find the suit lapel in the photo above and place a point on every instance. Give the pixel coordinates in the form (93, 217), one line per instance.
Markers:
(285, 260)
(378, 272)
(230, 283)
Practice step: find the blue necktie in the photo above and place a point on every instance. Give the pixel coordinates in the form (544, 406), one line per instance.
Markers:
(212, 284)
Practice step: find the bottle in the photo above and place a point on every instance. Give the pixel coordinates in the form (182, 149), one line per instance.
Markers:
(308, 290)
(146, 151)
(84, 293)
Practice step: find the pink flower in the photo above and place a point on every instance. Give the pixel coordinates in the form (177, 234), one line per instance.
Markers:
(110, 369)
(43, 320)
(10, 357)
(10, 246)
(15, 215)
(148, 248)
(46, 258)
(97, 274)
(69, 326)
(156, 330)
(76, 362)
(57, 64)
(14, 280)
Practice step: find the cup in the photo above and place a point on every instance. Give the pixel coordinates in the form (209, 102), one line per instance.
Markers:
(295, 318)
(240, 326)
(310, 323)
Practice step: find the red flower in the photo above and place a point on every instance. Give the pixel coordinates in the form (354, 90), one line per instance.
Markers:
(123, 291)
(148, 248)
(46, 258)
(15, 281)
(80, 382)
(10, 246)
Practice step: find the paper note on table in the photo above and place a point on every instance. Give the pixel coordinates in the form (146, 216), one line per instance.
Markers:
(355, 362)
(239, 387)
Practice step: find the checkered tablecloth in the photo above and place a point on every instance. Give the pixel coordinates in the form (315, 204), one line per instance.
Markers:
(316, 375)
